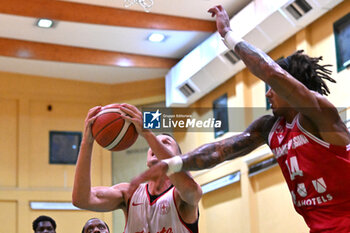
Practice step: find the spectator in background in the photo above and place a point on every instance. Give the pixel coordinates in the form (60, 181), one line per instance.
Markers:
(95, 225)
(44, 224)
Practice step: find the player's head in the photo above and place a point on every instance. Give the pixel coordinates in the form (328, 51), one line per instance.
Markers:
(169, 142)
(44, 223)
(308, 71)
(95, 225)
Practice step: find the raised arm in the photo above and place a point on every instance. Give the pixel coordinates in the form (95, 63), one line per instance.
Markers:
(316, 110)
(93, 198)
(188, 190)
(262, 66)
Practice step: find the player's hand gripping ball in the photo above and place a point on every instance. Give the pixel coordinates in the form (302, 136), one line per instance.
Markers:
(111, 131)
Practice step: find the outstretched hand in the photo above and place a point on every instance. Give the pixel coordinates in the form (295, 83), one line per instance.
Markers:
(222, 19)
(156, 173)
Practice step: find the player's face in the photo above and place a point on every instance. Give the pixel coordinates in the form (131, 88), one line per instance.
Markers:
(45, 226)
(168, 142)
(95, 226)
(278, 105)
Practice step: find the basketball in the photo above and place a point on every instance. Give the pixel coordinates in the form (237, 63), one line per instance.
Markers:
(111, 131)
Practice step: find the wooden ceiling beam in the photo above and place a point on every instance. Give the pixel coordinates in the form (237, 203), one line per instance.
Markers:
(62, 53)
(85, 13)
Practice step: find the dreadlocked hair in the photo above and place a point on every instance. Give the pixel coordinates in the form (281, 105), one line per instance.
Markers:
(307, 70)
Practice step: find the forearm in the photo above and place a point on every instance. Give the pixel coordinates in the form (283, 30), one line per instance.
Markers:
(187, 188)
(286, 86)
(260, 64)
(157, 147)
(211, 154)
(99, 198)
(264, 67)
(204, 157)
(82, 179)
(257, 61)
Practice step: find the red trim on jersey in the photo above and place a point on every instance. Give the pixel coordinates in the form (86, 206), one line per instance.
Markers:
(155, 200)
(178, 214)
(273, 130)
(291, 125)
(313, 137)
(338, 150)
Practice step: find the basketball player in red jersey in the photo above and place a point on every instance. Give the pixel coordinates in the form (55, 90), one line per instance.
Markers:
(305, 134)
(168, 205)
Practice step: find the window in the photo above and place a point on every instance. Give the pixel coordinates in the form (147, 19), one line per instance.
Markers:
(220, 113)
(342, 40)
(64, 147)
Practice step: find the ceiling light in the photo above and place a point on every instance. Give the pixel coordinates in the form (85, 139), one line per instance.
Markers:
(44, 23)
(156, 37)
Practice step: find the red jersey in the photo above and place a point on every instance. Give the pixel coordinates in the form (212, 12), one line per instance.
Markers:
(317, 174)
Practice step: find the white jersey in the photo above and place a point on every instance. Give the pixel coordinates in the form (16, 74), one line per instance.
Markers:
(160, 216)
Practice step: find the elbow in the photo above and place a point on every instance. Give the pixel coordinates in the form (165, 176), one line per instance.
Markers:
(199, 194)
(78, 202)
(195, 195)
(274, 74)
(75, 201)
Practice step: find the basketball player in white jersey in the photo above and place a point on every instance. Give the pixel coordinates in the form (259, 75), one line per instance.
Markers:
(167, 205)
(306, 135)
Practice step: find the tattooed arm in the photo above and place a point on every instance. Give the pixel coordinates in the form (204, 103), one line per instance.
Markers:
(211, 154)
